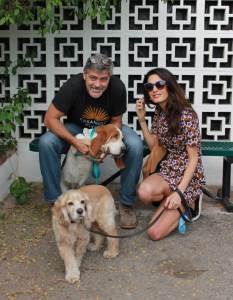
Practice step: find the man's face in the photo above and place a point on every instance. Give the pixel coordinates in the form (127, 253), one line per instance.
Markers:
(96, 82)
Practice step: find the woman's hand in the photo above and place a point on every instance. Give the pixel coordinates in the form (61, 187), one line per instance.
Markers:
(140, 109)
(173, 201)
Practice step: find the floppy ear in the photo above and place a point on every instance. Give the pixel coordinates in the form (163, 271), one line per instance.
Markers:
(119, 162)
(60, 212)
(97, 143)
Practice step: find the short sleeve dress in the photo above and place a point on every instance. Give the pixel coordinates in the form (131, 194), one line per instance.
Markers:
(174, 166)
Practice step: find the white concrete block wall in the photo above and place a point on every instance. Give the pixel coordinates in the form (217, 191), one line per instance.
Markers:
(193, 39)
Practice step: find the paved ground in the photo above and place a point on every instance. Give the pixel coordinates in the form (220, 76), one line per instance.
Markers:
(197, 265)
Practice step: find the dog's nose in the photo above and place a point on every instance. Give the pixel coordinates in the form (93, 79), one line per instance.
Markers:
(79, 211)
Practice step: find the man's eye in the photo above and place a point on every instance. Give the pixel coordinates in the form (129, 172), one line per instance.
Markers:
(104, 79)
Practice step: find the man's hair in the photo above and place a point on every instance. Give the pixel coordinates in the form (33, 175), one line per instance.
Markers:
(99, 62)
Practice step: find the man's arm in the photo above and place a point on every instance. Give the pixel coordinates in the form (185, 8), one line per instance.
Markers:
(53, 123)
(117, 121)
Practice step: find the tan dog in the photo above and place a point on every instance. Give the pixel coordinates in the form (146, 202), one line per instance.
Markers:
(92, 207)
(107, 139)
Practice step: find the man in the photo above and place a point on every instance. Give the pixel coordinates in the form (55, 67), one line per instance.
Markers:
(89, 99)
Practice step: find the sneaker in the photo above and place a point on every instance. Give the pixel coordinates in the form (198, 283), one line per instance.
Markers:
(197, 210)
(128, 219)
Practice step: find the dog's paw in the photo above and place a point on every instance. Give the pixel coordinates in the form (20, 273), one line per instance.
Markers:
(93, 247)
(72, 277)
(110, 254)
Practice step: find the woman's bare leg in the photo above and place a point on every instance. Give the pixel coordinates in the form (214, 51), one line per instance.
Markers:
(166, 223)
(155, 188)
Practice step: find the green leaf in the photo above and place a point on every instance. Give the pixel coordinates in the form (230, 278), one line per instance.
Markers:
(12, 21)
(2, 21)
(102, 19)
(16, 12)
(22, 198)
(18, 121)
(3, 115)
(108, 5)
(8, 127)
(90, 11)
(10, 116)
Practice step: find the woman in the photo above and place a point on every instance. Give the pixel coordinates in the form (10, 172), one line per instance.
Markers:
(181, 173)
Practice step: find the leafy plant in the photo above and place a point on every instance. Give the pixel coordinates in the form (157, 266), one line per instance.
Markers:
(22, 12)
(19, 189)
(10, 115)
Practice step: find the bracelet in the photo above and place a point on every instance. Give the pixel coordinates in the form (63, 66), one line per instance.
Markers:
(141, 120)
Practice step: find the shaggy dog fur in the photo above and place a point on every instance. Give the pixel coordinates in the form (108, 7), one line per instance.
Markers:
(92, 207)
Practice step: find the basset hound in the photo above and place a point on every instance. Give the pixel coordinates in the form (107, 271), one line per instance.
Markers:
(106, 139)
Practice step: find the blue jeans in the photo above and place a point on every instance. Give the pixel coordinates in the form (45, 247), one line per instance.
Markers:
(51, 147)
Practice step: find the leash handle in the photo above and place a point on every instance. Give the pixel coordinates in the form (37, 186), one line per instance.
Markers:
(185, 205)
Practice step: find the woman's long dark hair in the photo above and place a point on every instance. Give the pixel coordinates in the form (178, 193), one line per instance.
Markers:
(176, 99)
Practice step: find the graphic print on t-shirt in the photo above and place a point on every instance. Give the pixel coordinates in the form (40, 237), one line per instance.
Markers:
(94, 116)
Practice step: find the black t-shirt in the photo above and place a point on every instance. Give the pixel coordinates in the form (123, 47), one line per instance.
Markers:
(86, 111)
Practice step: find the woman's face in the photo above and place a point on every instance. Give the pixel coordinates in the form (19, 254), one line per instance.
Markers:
(159, 94)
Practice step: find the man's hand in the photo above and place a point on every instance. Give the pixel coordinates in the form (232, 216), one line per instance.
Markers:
(99, 159)
(82, 146)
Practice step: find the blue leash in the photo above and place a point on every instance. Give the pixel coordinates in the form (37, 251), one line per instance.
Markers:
(95, 172)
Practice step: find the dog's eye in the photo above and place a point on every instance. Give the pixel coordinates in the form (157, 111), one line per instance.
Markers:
(70, 203)
(83, 202)
(115, 137)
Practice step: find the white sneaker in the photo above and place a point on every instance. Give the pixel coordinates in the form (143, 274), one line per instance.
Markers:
(197, 210)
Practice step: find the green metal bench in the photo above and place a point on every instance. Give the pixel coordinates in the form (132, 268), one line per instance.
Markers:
(210, 148)
(224, 149)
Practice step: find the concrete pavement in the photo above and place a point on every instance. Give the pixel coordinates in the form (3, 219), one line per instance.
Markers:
(197, 265)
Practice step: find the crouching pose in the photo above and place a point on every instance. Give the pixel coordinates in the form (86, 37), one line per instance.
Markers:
(180, 174)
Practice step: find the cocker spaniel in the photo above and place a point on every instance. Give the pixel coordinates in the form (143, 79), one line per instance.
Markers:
(74, 211)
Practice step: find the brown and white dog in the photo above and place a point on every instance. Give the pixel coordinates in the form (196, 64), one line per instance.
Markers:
(93, 207)
(106, 139)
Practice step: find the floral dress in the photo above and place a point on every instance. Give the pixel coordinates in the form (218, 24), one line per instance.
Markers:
(173, 167)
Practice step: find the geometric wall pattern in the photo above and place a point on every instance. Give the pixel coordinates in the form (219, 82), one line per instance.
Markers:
(192, 38)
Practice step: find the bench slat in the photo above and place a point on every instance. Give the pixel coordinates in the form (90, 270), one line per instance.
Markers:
(217, 148)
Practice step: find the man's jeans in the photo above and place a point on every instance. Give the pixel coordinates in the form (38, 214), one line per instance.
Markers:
(52, 147)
